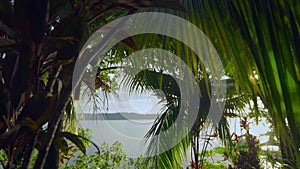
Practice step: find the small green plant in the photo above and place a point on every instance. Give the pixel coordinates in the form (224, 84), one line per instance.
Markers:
(107, 157)
(217, 165)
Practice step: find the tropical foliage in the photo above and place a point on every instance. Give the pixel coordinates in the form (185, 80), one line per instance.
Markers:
(257, 42)
(246, 148)
(110, 157)
(41, 39)
(39, 44)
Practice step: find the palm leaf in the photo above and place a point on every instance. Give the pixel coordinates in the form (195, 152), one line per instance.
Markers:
(262, 37)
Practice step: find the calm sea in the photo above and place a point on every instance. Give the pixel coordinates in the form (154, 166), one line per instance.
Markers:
(131, 133)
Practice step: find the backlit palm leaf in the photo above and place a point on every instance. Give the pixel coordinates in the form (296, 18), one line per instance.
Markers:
(259, 39)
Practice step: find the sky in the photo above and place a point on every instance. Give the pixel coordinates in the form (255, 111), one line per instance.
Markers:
(122, 101)
(145, 103)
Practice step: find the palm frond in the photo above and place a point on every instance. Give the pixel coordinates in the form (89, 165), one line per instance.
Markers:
(258, 39)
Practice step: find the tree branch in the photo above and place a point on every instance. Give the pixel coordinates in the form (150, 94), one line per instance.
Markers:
(52, 128)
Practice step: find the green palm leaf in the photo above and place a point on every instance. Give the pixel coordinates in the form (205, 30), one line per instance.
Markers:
(258, 37)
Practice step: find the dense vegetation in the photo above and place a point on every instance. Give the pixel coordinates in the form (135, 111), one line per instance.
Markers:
(40, 41)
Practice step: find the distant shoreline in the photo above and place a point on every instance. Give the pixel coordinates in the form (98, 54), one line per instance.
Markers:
(118, 116)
